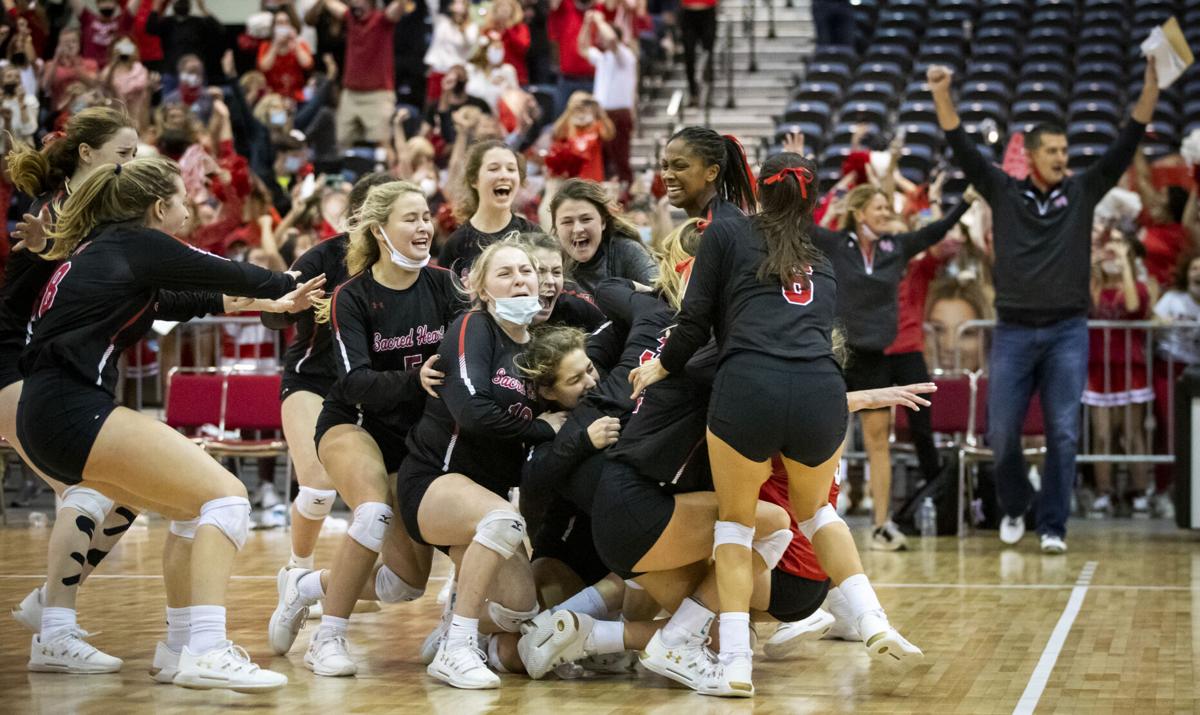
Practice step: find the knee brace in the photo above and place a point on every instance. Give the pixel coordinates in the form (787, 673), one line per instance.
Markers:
(507, 619)
(501, 531)
(825, 516)
(371, 522)
(731, 532)
(185, 529)
(90, 503)
(390, 588)
(229, 514)
(315, 504)
(772, 546)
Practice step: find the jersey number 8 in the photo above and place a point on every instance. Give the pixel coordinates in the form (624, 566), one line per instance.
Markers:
(51, 290)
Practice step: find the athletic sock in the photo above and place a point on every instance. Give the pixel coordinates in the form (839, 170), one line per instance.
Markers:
(332, 627)
(304, 562)
(588, 602)
(493, 656)
(863, 605)
(207, 629)
(462, 630)
(690, 619)
(735, 634)
(56, 621)
(606, 637)
(179, 627)
(310, 588)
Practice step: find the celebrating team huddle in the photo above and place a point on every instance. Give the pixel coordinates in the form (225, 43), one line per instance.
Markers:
(672, 421)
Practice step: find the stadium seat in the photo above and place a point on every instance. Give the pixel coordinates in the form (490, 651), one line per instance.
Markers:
(834, 54)
(1044, 72)
(833, 72)
(917, 159)
(1044, 52)
(193, 399)
(814, 136)
(817, 113)
(251, 403)
(1080, 156)
(843, 132)
(924, 133)
(1099, 52)
(917, 89)
(888, 52)
(1036, 112)
(871, 91)
(873, 112)
(1093, 111)
(1052, 34)
(1040, 92)
(828, 92)
(1096, 91)
(995, 51)
(979, 111)
(1091, 132)
(881, 72)
(990, 72)
(917, 111)
(985, 92)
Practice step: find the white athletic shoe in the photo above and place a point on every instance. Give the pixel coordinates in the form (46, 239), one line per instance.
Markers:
(290, 611)
(892, 649)
(888, 538)
(68, 652)
(730, 679)
(789, 638)
(433, 642)
(462, 665)
(1012, 528)
(315, 611)
(29, 611)
(687, 664)
(329, 656)
(227, 667)
(1052, 544)
(165, 665)
(555, 643)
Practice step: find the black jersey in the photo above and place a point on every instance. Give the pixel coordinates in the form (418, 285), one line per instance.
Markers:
(618, 256)
(577, 312)
(310, 353)
(467, 242)
(485, 415)
(648, 317)
(25, 275)
(747, 314)
(382, 337)
(104, 297)
(719, 208)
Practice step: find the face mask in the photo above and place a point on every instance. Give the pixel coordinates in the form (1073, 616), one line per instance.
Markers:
(183, 7)
(283, 31)
(107, 11)
(429, 187)
(495, 54)
(358, 12)
(519, 310)
(19, 59)
(125, 49)
(278, 117)
(292, 164)
(399, 258)
(189, 79)
(646, 233)
(307, 92)
(1111, 267)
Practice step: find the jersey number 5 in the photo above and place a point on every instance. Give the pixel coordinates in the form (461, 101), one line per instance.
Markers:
(50, 292)
(799, 293)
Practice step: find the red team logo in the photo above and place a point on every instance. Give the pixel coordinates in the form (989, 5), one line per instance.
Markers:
(800, 292)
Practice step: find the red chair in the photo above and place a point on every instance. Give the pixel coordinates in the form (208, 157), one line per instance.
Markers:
(948, 413)
(194, 399)
(250, 402)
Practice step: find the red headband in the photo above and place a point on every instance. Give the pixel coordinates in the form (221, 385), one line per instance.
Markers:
(804, 177)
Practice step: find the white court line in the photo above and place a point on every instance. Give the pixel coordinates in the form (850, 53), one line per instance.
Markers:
(1058, 637)
(156, 577)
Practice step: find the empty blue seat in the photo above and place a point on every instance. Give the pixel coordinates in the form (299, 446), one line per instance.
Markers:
(828, 92)
(990, 72)
(979, 111)
(1023, 112)
(835, 72)
(814, 112)
(1099, 52)
(834, 54)
(994, 51)
(1104, 91)
(1080, 156)
(871, 91)
(986, 91)
(1040, 91)
(814, 135)
(897, 35)
(917, 89)
(1091, 132)
(833, 156)
(889, 52)
(1093, 111)
(1053, 17)
(1054, 34)
(924, 133)
(1003, 34)
(917, 158)
(917, 111)
(1043, 52)
(1044, 72)
(843, 133)
(887, 72)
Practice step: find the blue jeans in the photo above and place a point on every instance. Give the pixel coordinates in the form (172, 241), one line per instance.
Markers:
(1053, 360)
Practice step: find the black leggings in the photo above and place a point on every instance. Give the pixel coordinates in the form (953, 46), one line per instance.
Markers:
(698, 26)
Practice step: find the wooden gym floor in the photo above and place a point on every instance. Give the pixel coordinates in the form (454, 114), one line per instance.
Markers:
(1113, 626)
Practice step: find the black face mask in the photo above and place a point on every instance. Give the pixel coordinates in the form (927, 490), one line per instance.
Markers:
(358, 12)
(183, 7)
(107, 11)
(19, 59)
(9, 88)
(124, 58)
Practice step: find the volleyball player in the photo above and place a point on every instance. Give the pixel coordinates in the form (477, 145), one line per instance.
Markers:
(706, 174)
(117, 223)
(465, 455)
(308, 373)
(776, 295)
(600, 243)
(563, 303)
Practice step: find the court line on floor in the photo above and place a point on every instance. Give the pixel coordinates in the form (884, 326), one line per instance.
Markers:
(1058, 637)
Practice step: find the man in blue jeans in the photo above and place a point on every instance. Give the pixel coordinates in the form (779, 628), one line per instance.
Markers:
(1042, 229)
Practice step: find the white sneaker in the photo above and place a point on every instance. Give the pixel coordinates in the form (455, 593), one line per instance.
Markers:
(622, 663)
(1141, 506)
(1164, 507)
(891, 648)
(227, 666)
(165, 665)
(789, 638)
(29, 611)
(290, 611)
(888, 538)
(845, 627)
(1052, 544)
(462, 665)
(1012, 528)
(267, 496)
(1102, 505)
(558, 641)
(329, 656)
(433, 641)
(730, 679)
(687, 664)
(315, 611)
(68, 652)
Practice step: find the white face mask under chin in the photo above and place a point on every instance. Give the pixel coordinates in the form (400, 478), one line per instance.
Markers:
(520, 310)
(1111, 267)
(399, 258)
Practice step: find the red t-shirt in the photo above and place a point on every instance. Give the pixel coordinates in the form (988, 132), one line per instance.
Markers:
(369, 66)
(799, 559)
(563, 26)
(98, 33)
(286, 76)
(587, 143)
(37, 29)
(910, 299)
(1163, 244)
(516, 45)
(149, 46)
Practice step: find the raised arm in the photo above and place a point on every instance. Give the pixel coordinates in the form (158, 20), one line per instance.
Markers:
(979, 170)
(914, 242)
(337, 8)
(1106, 171)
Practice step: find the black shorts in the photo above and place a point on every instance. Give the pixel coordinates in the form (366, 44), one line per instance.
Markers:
(390, 441)
(295, 382)
(629, 513)
(8, 367)
(794, 598)
(868, 370)
(763, 406)
(412, 481)
(58, 419)
(569, 540)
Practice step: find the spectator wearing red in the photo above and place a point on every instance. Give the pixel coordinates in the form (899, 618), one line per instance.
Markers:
(368, 78)
(101, 28)
(508, 19)
(66, 68)
(584, 128)
(129, 80)
(575, 73)
(30, 17)
(615, 87)
(1166, 236)
(149, 46)
(285, 59)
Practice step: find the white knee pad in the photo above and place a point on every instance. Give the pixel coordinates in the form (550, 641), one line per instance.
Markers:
(229, 514)
(185, 529)
(772, 546)
(731, 532)
(315, 504)
(501, 531)
(371, 522)
(825, 516)
(88, 502)
(390, 588)
(508, 619)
